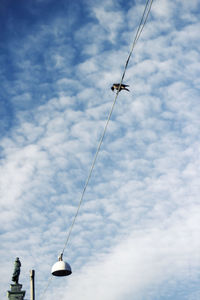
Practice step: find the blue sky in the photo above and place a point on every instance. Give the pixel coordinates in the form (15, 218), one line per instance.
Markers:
(137, 233)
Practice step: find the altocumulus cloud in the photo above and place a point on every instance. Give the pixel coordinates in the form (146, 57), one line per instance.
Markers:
(137, 233)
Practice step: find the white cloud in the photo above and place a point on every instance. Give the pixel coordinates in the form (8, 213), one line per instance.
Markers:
(137, 231)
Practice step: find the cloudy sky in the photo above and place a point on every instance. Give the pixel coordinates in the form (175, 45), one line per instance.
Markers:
(137, 233)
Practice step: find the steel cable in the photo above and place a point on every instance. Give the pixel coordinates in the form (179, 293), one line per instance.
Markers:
(138, 33)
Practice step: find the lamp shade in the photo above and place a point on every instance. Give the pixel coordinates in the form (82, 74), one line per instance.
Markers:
(61, 268)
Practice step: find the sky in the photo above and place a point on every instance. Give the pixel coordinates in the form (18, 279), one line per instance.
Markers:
(137, 233)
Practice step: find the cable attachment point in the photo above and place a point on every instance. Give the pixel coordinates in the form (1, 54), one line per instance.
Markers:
(60, 258)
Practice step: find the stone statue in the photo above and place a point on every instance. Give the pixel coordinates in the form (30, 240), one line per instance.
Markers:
(17, 265)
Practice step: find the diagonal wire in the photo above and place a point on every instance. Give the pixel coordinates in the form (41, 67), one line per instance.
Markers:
(46, 287)
(90, 173)
(138, 33)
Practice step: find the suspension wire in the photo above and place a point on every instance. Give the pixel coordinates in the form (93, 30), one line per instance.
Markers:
(46, 287)
(138, 33)
(90, 173)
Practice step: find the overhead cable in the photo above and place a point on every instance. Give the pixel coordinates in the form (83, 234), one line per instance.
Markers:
(138, 33)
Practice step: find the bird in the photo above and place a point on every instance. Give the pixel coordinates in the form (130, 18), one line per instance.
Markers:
(116, 86)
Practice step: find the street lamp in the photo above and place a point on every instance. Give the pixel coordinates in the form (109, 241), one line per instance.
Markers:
(61, 268)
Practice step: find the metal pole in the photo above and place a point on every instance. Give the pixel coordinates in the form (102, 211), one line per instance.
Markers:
(32, 278)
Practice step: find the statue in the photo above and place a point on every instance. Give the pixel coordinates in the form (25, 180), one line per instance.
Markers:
(16, 272)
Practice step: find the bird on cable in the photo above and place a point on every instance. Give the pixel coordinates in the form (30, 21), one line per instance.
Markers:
(116, 86)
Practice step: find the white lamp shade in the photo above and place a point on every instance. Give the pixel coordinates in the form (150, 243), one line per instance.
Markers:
(61, 268)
